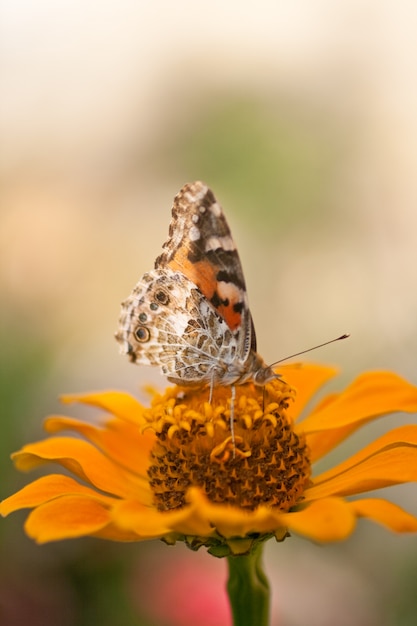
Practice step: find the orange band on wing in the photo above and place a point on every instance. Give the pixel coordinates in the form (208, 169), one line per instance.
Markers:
(204, 275)
(232, 318)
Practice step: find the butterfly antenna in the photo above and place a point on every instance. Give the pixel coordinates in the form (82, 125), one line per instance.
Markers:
(321, 345)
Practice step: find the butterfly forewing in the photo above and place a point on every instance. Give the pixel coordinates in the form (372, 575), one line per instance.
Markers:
(200, 245)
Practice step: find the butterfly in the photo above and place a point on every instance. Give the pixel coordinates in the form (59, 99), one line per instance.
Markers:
(190, 314)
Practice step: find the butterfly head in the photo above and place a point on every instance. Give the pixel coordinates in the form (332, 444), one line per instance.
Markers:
(265, 375)
(257, 371)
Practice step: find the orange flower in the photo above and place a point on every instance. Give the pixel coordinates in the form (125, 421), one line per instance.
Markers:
(172, 472)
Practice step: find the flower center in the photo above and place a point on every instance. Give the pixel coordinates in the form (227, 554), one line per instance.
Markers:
(267, 464)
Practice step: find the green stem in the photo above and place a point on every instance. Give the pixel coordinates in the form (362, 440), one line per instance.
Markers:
(248, 589)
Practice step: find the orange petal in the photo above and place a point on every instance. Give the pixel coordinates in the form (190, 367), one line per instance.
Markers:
(323, 442)
(47, 488)
(149, 523)
(372, 394)
(390, 460)
(386, 513)
(83, 460)
(120, 440)
(146, 522)
(231, 521)
(118, 403)
(306, 379)
(325, 520)
(66, 517)
(114, 533)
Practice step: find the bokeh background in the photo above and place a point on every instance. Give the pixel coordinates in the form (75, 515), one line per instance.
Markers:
(301, 116)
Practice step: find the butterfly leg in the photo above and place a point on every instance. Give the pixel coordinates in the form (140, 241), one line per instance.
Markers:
(211, 389)
(232, 418)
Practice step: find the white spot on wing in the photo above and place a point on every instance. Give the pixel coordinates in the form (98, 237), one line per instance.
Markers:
(229, 291)
(214, 243)
(216, 209)
(194, 233)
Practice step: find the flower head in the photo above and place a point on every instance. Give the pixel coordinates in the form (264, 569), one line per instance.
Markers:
(172, 471)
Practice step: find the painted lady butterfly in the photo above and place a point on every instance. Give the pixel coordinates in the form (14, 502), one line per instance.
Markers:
(190, 315)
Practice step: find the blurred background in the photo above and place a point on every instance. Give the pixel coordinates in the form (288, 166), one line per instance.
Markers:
(301, 116)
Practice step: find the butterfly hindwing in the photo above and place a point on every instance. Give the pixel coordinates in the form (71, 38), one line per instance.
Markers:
(166, 321)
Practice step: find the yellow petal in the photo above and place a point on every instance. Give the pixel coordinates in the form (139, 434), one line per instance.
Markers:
(83, 460)
(386, 513)
(118, 403)
(66, 517)
(390, 460)
(306, 379)
(121, 441)
(325, 520)
(47, 488)
(372, 394)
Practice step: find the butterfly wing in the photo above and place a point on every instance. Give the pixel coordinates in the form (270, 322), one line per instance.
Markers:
(167, 321)
(201, 247)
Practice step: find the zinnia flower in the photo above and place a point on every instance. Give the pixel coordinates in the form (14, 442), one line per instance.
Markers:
(170, 471)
